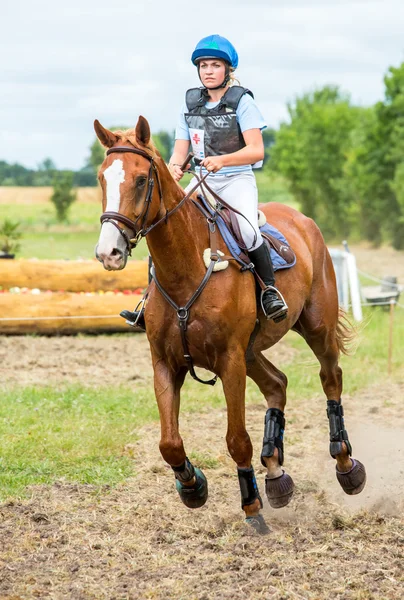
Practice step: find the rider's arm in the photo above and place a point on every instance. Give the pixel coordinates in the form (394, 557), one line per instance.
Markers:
(181, 149)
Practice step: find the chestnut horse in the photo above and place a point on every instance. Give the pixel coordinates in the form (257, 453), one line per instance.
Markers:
(224, 332)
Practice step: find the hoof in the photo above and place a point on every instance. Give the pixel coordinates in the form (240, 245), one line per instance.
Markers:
(195, 496)
(280, 490)
(353, 481)
(258, 524)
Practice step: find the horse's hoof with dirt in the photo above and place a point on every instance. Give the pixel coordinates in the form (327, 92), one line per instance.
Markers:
(354, 480)
(280, 490)
(257, 523)
(195, 495)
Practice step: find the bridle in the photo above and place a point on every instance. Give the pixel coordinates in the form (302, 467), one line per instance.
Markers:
(115, 217)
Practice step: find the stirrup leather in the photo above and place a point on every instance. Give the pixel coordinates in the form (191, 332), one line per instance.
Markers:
(278, 314)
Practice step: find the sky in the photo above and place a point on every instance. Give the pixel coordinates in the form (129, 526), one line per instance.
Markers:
(67, 63)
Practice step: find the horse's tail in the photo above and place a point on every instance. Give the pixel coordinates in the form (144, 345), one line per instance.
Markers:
(345, 332)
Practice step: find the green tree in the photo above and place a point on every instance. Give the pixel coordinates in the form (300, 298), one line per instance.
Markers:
(164, 142)
(391, 115)
(15, 174)
(375, 167)
(45, 173)
(10, 233)
(310, 152)
(97, 155)
(269, 137)
(63, 194)
(365, 178)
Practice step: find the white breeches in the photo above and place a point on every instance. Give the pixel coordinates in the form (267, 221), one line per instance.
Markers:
(240, 191)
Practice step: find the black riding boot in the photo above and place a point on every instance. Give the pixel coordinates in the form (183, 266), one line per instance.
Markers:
(134, 318)
(272, 303)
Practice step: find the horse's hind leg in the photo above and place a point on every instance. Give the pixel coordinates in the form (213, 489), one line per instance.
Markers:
(279, 485)
(190, 481)
(325, 333)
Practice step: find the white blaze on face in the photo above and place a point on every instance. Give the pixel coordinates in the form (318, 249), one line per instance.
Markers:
(110, 237)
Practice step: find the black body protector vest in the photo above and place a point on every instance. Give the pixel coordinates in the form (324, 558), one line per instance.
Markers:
(214, 131)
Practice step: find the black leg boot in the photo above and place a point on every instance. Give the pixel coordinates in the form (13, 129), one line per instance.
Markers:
(272, 302)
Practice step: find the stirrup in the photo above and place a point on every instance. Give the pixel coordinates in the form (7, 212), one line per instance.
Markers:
(134, 322)
(277, 315)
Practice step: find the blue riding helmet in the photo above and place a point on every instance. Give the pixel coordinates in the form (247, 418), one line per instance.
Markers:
(215, 46)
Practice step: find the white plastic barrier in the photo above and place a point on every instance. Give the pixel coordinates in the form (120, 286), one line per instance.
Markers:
(347, 281)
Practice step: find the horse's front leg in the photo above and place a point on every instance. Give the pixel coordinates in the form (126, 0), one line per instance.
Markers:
(233, 374)
(279, 485)
(190, 481)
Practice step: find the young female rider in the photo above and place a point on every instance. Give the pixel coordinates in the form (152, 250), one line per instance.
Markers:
(223, 125)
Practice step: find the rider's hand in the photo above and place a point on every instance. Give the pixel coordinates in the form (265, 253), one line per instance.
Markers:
(213, 164)
(176, 171)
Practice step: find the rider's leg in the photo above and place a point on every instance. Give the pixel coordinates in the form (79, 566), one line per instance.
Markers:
(136, 317)
(273, 305)
(240, 191)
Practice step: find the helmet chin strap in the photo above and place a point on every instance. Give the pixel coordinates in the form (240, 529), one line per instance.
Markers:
(223, 84)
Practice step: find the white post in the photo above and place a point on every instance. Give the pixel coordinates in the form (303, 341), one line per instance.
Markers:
(354, 286)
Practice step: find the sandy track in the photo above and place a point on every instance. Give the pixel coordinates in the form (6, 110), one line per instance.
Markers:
(29, 360)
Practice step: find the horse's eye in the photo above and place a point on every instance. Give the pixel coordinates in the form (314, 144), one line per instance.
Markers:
(141, 182)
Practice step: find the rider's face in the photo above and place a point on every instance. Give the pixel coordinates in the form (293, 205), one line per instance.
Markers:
(212, 72)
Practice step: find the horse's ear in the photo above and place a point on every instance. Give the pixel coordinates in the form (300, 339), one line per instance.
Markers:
(106, 137)
(143, 131)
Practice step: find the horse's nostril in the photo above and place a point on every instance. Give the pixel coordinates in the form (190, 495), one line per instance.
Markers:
(116, 252)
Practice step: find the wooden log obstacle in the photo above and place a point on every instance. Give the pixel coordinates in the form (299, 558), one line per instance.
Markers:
(57, 297)
(71, 276)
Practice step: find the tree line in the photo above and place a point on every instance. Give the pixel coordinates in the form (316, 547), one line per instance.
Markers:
(344, 163)
(47, 174)
(44, 175)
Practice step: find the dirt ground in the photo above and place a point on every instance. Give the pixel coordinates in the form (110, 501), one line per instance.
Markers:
(137, 541)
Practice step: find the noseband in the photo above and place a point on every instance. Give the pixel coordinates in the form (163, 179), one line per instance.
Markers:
(114, 217)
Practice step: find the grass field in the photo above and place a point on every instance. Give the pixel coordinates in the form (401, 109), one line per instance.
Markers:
(77, 431)
(44, 238)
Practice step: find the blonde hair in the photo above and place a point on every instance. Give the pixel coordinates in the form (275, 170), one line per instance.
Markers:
(232, 79)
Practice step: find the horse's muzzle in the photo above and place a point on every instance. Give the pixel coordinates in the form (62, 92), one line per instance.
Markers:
(114, 261)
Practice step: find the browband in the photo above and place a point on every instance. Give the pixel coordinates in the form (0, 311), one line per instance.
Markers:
(128, 149)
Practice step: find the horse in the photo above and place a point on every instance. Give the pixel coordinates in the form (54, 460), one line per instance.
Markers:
(215, 322)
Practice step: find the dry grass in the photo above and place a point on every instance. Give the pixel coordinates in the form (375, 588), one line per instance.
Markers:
(40, 195)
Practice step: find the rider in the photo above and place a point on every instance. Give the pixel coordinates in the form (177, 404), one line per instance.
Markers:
(223, 124)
